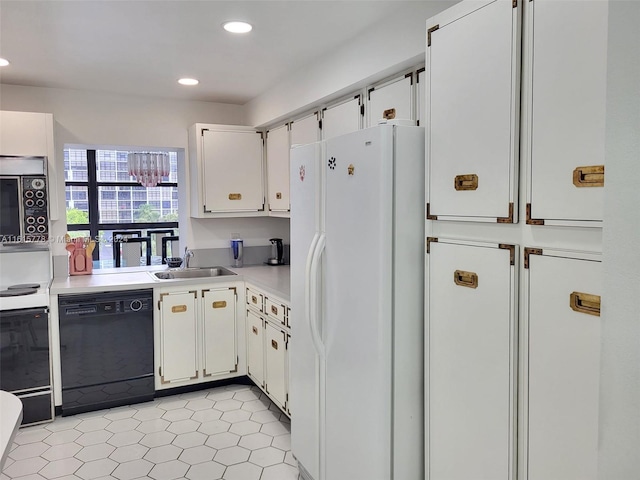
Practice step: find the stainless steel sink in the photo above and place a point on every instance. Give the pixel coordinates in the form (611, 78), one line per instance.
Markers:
(193, 273)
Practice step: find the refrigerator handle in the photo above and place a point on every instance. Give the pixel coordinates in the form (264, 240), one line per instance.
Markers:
(314, 316)
(308, 301)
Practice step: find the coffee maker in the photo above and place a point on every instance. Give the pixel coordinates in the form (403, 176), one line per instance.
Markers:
(277, 252)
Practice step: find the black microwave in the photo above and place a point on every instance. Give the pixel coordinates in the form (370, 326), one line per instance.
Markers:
(24, 207)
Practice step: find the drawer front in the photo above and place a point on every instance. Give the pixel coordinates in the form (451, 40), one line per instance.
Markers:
(275, 310)
(255, 299)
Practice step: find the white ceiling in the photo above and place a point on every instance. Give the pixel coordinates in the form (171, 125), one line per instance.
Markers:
(142, 47)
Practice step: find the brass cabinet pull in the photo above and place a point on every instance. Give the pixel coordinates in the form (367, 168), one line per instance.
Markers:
(274, 310)
(466, 182)
(585, 303)
(219, 304)
(274, 344)
(389, 114)
(235, 196)
(590, 176)
(254, 299)
(178, 309)
(465, 279)
(255, 330)
(279, 195)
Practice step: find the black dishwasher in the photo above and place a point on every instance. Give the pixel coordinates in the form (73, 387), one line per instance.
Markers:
(106, 350)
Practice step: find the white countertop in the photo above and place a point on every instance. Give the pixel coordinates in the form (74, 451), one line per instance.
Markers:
(274, 279)
(10, 420)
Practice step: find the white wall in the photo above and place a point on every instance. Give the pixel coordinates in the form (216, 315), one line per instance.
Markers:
(390, 46)
(88, 118)
(619, 456)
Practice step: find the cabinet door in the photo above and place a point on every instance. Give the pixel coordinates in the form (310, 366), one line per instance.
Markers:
(24, 133)
(255, 348)
(341, 118)
(471, 358)
(178, 355)
(472, 98)
(275, 364)
(278, 169)
(232, 164)
(392, 99)
(219, 331)
(305, 130)
(566, 80)
(563, 364)
(420, 94)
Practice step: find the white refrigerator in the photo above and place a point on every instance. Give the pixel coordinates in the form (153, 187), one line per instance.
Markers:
(357, 260)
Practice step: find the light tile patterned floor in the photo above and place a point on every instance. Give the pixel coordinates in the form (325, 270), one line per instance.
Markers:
(232, 433)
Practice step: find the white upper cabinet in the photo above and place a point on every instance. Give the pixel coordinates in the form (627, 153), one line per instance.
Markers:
(278, 170)
(31, 134)
(471, 116)
(226, 165)
(564, 111)
(26, 133)
(391, 99)
(420, 94)
(341, 118)
(305, 130)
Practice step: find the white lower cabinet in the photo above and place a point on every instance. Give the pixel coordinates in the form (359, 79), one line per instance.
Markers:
(178, 337)
(219, 332)
(471, 357)
(255, 348)
(275, 358)
(196, 335)
(268, 337)
(562, 365)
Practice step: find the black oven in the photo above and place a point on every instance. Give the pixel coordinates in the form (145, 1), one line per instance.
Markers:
(106, 350)
(25, 367)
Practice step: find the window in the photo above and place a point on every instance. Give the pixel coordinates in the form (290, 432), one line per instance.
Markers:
(101, 197)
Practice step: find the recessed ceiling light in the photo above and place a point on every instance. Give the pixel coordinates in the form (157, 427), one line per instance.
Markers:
(4, 62)
(237, 27)
(188, 81)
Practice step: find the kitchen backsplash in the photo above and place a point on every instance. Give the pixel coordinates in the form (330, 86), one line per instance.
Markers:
(205, 257)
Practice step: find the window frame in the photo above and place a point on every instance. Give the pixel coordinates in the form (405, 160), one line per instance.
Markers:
(92, 184)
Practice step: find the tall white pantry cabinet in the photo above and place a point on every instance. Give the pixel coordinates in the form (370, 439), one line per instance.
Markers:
(514, 114)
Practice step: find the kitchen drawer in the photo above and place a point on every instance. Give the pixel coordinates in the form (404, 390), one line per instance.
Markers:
(275, 310)
(255, 299)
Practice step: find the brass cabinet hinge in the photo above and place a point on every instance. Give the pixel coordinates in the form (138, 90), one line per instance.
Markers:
(429, 216)
(530, 251)
(508, 219)
(429, 240)
(514, 3)
(410, 77)
(512, 250)
(429, 32)
(532, 221)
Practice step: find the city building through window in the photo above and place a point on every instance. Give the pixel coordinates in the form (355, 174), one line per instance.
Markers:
(105, 203)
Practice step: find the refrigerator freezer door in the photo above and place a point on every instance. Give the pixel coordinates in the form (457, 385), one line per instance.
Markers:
(304, 363)
(357, 326)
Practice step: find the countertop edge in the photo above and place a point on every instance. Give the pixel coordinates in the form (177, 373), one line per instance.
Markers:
(272, 279)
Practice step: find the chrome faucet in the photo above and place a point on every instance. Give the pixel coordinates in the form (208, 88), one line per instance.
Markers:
(185, 259)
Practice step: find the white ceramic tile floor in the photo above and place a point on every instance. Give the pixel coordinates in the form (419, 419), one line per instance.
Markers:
(231, 433)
